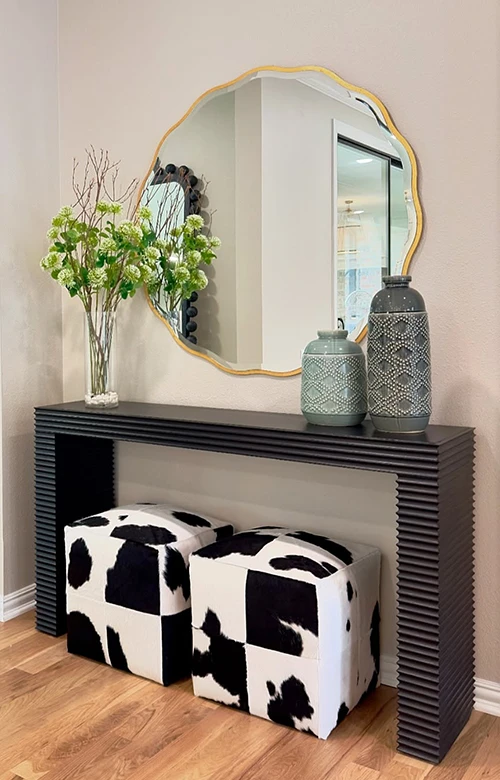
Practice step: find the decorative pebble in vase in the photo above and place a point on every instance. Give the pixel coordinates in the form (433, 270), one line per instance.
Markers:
(399, 361)
(333, 380)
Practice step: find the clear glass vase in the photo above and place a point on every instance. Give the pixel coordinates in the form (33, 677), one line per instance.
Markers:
(174, 319)
(100, 339)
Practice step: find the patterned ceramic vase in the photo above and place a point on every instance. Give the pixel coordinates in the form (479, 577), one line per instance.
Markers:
(333, 380)
(399, 361)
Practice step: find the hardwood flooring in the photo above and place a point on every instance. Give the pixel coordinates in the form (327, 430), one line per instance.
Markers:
(66, 718)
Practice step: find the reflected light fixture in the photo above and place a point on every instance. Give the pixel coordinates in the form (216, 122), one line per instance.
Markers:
(365, 160)
(349, 229)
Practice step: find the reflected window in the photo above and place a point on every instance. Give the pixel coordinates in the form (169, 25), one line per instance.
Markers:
(372, 226)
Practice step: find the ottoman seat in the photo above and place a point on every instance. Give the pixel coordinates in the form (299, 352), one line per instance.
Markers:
(286, 625)
(128, 594)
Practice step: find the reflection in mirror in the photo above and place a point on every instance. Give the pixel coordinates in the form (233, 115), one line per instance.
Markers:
(362, 229)
(313, 195)
(172, 194)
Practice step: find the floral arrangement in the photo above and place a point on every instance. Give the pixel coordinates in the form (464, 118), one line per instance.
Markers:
(102, 259)
(180, 257)
(91, 252)
(86, 258)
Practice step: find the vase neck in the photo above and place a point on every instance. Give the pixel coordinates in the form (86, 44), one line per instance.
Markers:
(332, 334)
(396, 281)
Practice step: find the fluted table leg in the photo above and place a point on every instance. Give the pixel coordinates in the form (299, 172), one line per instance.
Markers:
(435, 604)
(74, 477)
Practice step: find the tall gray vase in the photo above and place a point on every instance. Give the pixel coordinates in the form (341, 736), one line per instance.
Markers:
(333, 380)
(399, 361)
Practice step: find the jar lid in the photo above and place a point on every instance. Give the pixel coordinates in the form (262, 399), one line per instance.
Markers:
(332, 342)
(402, 280)
(333, 334)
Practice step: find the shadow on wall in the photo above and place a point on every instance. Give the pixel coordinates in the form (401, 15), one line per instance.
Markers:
(347, 504)
(73, 327)
(208, 332)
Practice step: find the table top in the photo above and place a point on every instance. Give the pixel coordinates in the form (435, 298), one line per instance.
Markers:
(271, 421)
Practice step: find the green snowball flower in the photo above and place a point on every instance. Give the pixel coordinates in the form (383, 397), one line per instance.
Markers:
(132, 273)
(98, 278)
(103, 207)
(193, 257)
(51, 262)
(152, 253)
(161, 244)
(199, 279)
(215, 241)
(66, 277)
(194, 222)
(107, 244)
(182, 274)
(129, 231)
(144, 212)
(147, 274)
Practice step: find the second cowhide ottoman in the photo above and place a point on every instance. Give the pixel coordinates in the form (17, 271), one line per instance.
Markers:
(286, 625)
(128, 599)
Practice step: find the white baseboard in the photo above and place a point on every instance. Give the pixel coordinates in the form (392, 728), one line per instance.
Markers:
(14, 604)
(389, 671)
(486, 695)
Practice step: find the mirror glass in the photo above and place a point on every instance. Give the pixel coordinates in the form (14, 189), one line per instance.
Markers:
(312, 192)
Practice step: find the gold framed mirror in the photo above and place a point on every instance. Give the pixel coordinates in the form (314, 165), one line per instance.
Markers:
(312, 191)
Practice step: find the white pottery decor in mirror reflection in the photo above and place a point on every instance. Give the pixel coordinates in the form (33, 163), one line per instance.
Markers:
(313, 193)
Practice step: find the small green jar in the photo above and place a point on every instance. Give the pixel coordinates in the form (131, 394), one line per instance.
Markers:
(333, 380)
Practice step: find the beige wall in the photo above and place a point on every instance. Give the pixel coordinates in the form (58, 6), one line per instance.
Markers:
(297, 206)
(436, 67)
(253, 491)
(248, 222)
(30, 307)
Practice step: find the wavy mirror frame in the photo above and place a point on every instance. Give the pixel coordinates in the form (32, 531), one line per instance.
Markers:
(414, 190)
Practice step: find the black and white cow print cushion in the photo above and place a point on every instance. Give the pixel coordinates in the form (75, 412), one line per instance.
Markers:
(286, 625)
(128, 588)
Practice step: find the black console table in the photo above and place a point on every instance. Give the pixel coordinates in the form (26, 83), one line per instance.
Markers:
(74, 459)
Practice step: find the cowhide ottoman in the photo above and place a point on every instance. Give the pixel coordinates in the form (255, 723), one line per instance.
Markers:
(286, 625)
(128, 598)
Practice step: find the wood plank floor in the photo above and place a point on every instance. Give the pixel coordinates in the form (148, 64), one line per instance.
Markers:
(66, 718)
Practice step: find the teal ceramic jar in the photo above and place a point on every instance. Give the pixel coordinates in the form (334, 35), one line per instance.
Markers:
(399, 359)
(333, 380)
